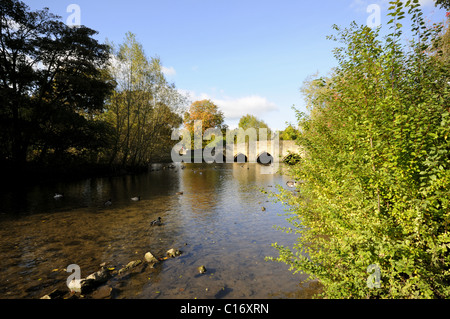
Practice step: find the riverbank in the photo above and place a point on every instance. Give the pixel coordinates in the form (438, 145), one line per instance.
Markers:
(31, 174)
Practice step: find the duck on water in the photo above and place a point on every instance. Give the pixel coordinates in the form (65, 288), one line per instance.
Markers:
(58, 196)
(156, 222)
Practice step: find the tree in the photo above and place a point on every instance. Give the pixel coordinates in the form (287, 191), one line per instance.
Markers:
(144, 107)
(51, 84)
(251, 121)
(441, 47)
(376, 172)
(205, 111)
(208, 113)
(289, 133)
(443, 4)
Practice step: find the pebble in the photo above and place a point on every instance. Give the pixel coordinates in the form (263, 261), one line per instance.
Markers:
(173, 253)
(201, 269)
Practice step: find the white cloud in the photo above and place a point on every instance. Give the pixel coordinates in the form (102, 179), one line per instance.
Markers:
(168, 71)
(193, 96)
(235, 108)
(427, 2)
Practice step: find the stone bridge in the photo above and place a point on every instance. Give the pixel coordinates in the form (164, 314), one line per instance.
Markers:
(263, 152)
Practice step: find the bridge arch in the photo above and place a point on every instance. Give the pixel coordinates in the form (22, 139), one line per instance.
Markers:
(291, 158)
(264, 158)
(240, 158)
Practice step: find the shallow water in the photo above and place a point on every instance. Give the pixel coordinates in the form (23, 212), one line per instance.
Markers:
(218, 222)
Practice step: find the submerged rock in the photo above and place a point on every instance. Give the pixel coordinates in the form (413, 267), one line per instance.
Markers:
(172, 253)
(103, 292)
(201, 269)
(130, 266)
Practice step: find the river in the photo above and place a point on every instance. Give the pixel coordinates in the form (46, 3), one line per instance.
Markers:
(218, 222)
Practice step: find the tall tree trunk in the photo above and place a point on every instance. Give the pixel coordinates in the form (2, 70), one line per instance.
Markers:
(127, 138)
(19, 147)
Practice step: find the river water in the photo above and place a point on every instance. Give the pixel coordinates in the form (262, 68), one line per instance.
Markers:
(218, 222)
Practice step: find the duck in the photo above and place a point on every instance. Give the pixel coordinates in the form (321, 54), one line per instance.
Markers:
(58, 196)
(179, 193)
(136, 199)
(108, 202)
(156, 222)
(291, 184)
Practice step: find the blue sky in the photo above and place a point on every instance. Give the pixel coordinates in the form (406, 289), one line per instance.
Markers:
(247, 56)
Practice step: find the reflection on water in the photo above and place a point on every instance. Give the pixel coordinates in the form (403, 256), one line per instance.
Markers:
(218, 222)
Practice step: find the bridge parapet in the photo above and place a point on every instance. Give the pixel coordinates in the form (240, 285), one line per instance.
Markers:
(251, 152)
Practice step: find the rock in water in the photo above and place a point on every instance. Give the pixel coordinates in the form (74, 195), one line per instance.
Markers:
(133, 264)
(100, 276)
(201, 269)
(75, 285)
(86, 285)
(103, 292)
(172, 253)
(150, 258)
(130, 266)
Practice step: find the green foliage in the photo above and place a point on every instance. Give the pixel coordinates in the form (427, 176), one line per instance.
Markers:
(65, 98)
(142, 109)
(289, 133)
(251, 121)
(51, 85)
(443, 4)
(292, 159)
(376, 175)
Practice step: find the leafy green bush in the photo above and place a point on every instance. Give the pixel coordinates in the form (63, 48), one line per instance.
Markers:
(376, 175)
